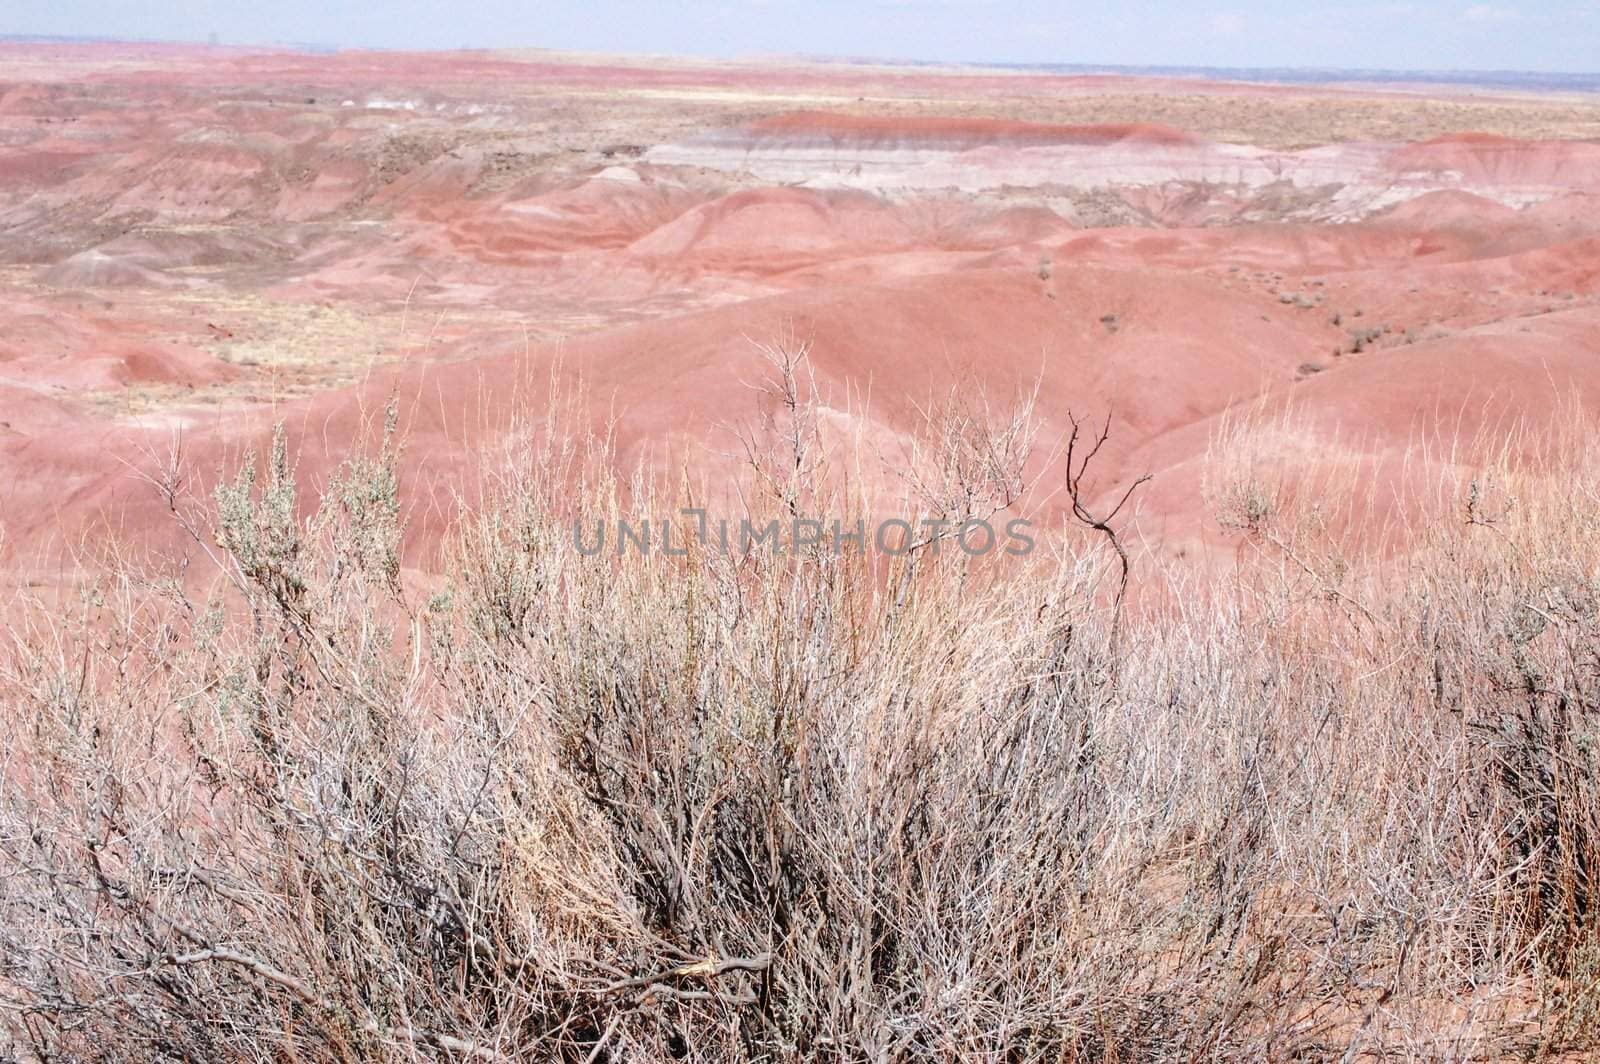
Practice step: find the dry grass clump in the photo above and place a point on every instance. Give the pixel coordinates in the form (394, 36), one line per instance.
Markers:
(784, 807)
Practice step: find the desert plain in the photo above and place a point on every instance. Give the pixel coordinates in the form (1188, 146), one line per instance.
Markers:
(198, 243)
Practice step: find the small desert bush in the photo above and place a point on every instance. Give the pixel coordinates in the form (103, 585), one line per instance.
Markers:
(802, 806)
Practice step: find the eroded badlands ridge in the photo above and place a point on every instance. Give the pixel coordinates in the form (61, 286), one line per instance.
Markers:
(198, 244)
(1337, 182)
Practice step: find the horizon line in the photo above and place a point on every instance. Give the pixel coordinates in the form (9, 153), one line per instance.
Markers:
(1087, 69)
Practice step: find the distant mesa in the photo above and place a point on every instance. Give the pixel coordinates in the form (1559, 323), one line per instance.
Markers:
(1339, 182)
(874, 132)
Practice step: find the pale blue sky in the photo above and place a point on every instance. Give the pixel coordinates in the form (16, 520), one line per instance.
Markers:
(1542, 35)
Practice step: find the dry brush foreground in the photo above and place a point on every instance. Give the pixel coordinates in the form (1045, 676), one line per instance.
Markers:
(806, 807)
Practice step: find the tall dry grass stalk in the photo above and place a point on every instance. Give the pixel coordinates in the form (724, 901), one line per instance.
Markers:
(810, 806)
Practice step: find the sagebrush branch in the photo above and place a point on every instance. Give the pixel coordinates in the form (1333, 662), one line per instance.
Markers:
(709, 968)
